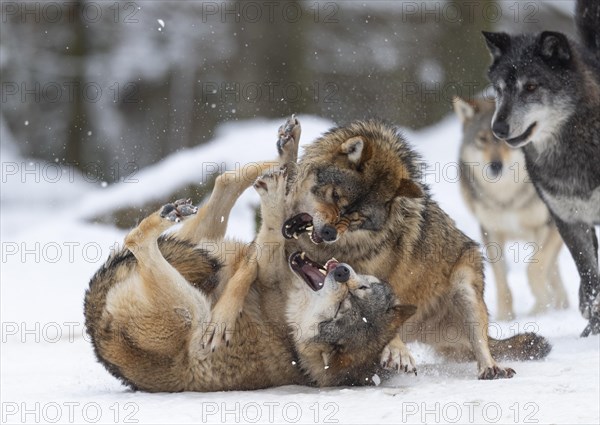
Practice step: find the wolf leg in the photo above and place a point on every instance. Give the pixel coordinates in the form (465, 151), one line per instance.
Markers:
(549, 282)
(211, 221)
(560, 299)
(228, 307)
(470, 310)
(582, 242)
(539, 270)
(142, 241)
(171, 307)
(505, 301)
(270, 240)
(266, 252)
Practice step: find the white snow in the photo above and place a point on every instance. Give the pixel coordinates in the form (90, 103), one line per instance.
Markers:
(49, 252)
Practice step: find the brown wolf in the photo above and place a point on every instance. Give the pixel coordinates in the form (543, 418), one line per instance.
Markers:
(158, 310)
(357, 195)
(496, 188)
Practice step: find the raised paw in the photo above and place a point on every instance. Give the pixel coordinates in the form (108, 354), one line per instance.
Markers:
(271, 188)
(396, 356)
(496, 372)
(178, 210)
(288, 138)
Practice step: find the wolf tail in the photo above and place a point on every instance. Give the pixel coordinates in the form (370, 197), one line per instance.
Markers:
(587, 17)
(526, 346)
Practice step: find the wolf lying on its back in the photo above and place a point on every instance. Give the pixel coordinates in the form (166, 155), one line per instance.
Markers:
(154, 324)
(495, 186)
(548, 102)
(356, 195)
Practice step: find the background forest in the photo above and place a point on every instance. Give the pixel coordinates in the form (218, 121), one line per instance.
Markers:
(112, 86)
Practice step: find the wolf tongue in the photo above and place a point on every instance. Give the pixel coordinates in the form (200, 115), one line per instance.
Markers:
(313, 277)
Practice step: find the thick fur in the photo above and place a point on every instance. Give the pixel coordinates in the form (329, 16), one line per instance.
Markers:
(548, 98)
(181, 313)
(496, 188)
(361, 184)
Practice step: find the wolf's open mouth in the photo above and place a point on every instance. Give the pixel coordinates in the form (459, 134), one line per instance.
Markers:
(311, 272)
(299, 224)
(516, 141)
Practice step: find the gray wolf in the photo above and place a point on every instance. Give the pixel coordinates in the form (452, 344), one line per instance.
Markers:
(547, 102)
(496, 188)
(357, 195)
(172, 313)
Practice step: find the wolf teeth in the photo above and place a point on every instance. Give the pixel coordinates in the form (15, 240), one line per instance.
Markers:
(295, 235)
(325, 357)
(323, 272)
(303, 255)
(310, 228)
(333, 260)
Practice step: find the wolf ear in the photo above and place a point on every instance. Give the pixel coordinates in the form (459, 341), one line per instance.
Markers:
(464, 109)
(357, 150)
(554, 47)
(497, 42)
(409, 189)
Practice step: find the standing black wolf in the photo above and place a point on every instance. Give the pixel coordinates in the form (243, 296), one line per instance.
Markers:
(548, 102)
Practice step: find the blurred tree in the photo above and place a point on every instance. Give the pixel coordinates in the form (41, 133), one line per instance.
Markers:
(76, 117)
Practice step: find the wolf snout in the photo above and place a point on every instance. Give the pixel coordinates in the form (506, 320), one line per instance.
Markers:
(341, 274)
(496, 167)
(328, 233)
(501, 129)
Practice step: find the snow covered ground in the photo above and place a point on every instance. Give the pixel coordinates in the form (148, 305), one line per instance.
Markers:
(49, 252)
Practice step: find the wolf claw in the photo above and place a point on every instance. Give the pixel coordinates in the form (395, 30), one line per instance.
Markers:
(271, 187)
(288, 137)
(285, 133)
(178, 210)
(497, 372)
(396, 356)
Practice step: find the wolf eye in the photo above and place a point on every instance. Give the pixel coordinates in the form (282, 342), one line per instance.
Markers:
(363, 287)
(335, 196)
(531, 87)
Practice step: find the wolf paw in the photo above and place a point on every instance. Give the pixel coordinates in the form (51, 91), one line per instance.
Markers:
(496, 372)
(538, 308)
(560, 303)
(288, 138)
(396, 356)
(591, 311)
(271, 188)
(589, 300)
(593, 327)
(178, 210)
(221, 326)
